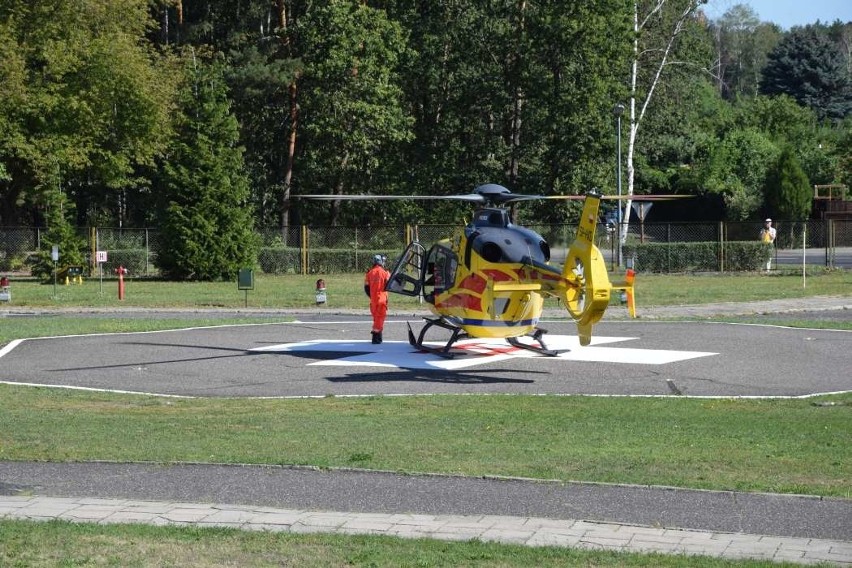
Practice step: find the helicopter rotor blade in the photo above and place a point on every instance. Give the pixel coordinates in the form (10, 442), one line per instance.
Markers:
(471, 197)
(516, 197)
(649, 197)
(490, 197)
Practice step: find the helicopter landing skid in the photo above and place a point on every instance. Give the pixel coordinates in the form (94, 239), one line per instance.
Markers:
(537, 335)
(444, 351)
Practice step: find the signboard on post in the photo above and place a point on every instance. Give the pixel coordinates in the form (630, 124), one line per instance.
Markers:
(245, 281)
(101, 258)
(641, 208)
(54, 254)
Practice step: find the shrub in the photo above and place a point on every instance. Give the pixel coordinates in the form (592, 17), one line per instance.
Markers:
(696, 257)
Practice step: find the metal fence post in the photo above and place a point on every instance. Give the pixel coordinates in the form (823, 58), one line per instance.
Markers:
(303, 250)
(828, 237)
(93, 247)
(147, 252)
(668, 247)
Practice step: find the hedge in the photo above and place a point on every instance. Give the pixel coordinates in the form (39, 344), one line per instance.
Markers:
(288, 260)
(697, 257)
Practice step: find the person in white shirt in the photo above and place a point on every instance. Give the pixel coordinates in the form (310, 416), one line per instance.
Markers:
(767, 235)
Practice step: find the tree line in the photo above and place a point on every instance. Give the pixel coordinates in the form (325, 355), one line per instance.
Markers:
(207, 118)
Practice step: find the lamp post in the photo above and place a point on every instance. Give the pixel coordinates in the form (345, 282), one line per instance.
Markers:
(618, 110)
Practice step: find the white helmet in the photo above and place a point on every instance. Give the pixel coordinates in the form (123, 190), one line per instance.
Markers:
(379, 259)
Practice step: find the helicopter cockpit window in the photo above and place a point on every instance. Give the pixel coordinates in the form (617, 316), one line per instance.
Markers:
(492, 218)
(440, 271)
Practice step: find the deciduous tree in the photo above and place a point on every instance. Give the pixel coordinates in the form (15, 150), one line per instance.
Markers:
(352, 107)
(658, 27)
(87, 96)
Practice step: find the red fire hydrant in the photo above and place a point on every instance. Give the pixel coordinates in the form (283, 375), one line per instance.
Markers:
(121, 271)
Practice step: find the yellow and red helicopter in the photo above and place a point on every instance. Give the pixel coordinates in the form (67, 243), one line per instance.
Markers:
(490, 279)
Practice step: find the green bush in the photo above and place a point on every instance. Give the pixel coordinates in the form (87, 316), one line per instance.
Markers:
(335, 261)
(282, 260)
(12, 262)
(279, 260)
(697, 257)
(134, 260)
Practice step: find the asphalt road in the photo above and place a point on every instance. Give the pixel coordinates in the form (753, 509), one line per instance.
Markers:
(839, 257)
(385, 492)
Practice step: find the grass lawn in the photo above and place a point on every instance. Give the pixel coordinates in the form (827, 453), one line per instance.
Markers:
(59, 543)
(793, 446)
(347, 291)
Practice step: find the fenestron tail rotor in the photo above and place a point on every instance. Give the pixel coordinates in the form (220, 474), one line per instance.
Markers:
(588, 296)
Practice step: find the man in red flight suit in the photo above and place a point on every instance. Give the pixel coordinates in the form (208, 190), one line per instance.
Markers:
(374, 285)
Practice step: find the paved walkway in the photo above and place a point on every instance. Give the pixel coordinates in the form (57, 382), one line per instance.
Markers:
(530, 531)
(797, 544)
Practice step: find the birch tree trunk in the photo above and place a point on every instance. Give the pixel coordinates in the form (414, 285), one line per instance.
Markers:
(654, 41)
(518, 99)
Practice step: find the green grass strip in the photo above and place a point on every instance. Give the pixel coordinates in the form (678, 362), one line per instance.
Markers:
(58, 543)
(788, 446)
(346, 291)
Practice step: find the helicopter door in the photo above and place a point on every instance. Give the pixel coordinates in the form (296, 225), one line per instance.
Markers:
(405, 277)
(439, 271)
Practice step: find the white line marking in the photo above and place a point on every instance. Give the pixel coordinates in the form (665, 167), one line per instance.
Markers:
(401, 394)
(11, 345)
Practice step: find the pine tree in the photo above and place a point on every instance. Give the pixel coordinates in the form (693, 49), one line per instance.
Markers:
(61, 234)
(807, 66)
(205, 222)
(788, 191)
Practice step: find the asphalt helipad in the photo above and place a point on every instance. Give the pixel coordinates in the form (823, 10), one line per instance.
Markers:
(321, 355)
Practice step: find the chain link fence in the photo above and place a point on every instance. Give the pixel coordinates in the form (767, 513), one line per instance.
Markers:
(650, 247)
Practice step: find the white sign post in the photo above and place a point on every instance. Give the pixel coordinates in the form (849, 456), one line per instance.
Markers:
(54, 254)
(101, 258)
